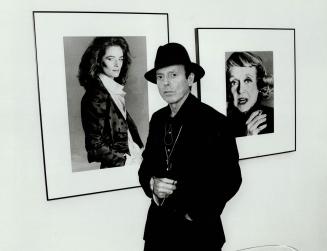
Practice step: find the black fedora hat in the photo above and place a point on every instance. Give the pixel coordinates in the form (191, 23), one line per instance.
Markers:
(173, 54)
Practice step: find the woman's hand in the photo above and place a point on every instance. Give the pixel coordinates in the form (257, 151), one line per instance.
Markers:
(256, 123)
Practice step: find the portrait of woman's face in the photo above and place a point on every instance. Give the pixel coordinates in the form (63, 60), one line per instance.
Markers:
(244, 89)
(112, 61)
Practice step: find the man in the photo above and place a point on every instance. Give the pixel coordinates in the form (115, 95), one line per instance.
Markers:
(190, 162)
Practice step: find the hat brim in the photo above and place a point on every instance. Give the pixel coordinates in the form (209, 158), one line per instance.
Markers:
(195, 68)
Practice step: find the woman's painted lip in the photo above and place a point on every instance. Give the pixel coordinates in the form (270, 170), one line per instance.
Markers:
(242, 101)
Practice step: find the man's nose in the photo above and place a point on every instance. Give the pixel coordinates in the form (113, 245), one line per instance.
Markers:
(166, 80)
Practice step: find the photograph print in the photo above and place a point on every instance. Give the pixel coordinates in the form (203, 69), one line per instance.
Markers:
(95, 103)
(107, 100)
(250, 77)
(249, 92)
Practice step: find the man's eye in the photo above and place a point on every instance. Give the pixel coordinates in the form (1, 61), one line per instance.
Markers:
(172, 75)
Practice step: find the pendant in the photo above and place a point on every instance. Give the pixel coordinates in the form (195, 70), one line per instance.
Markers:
(169, 166)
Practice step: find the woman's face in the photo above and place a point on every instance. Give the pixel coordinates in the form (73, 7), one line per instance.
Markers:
(112, 61)
(243, 84)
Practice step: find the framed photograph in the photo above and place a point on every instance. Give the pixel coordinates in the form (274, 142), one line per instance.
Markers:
(250, 77)
(84, 130)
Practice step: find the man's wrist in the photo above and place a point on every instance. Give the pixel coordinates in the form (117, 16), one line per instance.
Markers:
(154, 196)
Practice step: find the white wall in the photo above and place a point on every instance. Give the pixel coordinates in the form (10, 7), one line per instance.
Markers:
(282, 199)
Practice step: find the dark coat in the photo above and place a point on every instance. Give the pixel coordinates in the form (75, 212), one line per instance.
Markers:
(106, 137)
(238, 119)
(205, 165)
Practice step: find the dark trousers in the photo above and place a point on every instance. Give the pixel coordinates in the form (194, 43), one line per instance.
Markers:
(188, 246)
(186, 239)
(168, 231)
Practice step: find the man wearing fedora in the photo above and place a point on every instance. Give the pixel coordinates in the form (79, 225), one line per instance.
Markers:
(190, 163)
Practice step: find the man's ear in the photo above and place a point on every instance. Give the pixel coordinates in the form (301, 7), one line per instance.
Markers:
(190, 79)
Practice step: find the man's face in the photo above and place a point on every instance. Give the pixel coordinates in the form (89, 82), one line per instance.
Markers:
(172, 83)
(112, 61)
(243, 84)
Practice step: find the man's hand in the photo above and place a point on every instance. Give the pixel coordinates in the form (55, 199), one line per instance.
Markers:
(163, 187)
(256, 123)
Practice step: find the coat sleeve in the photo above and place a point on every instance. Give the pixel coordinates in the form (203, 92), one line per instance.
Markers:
(146, 169)
(99, 149)
(207, 193)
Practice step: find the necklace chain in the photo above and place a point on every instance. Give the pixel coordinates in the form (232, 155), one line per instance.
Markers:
(168, 155)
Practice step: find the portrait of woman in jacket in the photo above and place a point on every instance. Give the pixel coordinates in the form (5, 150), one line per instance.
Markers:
(111, 136)
(247, 84)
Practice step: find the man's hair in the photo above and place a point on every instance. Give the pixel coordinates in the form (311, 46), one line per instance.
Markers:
(187, 70)
(91, 64)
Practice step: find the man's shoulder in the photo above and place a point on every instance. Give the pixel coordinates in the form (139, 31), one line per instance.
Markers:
(207, 111)
(162, 112)
(209, 118)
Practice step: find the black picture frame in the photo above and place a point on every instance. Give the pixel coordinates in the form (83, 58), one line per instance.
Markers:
(54, 70)
(212, 46)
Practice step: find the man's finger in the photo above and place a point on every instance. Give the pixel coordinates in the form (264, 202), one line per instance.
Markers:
(165, 186)
(168, 181)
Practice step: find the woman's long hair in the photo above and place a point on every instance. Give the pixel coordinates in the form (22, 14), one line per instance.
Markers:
(91, 63)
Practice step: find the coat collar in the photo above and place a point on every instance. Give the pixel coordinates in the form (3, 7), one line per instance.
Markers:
(185, 111)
